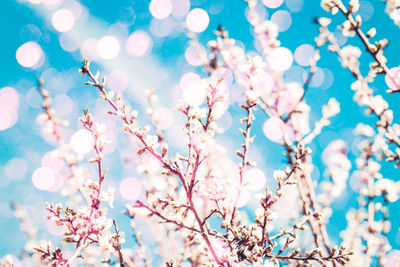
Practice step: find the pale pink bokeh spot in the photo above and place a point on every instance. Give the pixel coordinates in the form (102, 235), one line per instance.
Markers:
(9, 103)
(194, 94)
(163, 118)
(358, 180)
(63, 20)
(272, 3)
(262, 82)
(243, 198)
(82, 142)
(366, 11)
(255, 179)
(275, 130)
(138, 44)
(162, 27)
(303, 54)
(76, 8)
(160, 9)
(197, 20)
(192, 54)
(283, 19)
(58, 183)
(35, 2)
(108, 47)
(180, 7)
(225, 74)
(328, 78)
(225, 122)
(289, 97)
(294, 5)
(70, 41)
(130, 188)
(30, 55)
(89, 49)
(9, 97)
(54, 229)
(287, 205)
(6, 118)
(118, 81)
(52, 4)
(43, 178)
(176, 136)
(392, 78)
(189, 79)
(51, 161)
(63, 105)
(317, 78)
(280, 59)
(337, 146)
(15, 169)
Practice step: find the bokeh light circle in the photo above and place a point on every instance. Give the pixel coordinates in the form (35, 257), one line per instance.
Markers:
(43, 178)
(317, 78)
(162, 27)
(118, 81)
(272, 3)
(283, 19)
(192, 54)
(274, 129)
(51, 161)
(138, 44)
(280, 59)
(180, 7)
(243, 198)
(392, 78)
(194, 94)
(189, 79)
(160, 9)
(52, 4)
(294, 5)
(197, 20)
(108, 47)
(6, 118)
(255, 179)
(303, 54)
(15, 169)
(63, 104)
(63, 20)
(70, 41)
(163, 118)
(366, 10)
(89, 49)
(29, 55)
(9, 103)
(9, 97)
(130, 188)
(82, 142)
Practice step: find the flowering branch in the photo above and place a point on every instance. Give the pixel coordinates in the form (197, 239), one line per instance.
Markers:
(353, 25)
(49, 118)
(139, 133)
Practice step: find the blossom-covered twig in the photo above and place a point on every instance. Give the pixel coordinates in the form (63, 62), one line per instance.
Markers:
(52, 127)
(140, 134)
(352, 24)
(86, 225)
